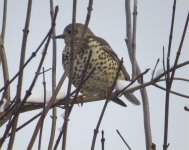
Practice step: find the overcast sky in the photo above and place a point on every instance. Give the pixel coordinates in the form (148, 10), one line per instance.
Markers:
(108, 22)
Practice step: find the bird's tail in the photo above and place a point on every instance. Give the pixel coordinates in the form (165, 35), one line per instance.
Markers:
(132, 98)
(120, 85)
(119, 101)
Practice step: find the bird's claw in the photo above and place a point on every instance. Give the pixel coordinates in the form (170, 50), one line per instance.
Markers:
(80, 99)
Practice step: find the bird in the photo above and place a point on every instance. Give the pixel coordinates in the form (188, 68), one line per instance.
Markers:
(104, 62)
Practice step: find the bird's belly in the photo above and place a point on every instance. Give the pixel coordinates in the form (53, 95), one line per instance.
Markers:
(102, 77)
(93, 84)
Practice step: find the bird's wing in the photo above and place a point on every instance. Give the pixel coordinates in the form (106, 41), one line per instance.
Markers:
(109, 50)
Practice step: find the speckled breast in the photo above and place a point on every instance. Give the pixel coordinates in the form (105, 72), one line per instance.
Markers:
(103, 65)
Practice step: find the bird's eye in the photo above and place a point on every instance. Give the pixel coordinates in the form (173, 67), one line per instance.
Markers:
(69, 31)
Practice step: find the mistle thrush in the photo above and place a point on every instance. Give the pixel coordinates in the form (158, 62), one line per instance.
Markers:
(103, 59)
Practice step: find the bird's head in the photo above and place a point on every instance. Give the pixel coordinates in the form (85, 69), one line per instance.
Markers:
(78, 28)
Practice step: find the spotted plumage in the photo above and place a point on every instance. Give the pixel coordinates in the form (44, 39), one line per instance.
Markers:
(103, 60)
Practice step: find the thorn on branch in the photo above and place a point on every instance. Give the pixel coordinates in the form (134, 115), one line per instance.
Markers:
(33, 54)
(95, 131)
(28, 92)
(45, 71)
(186, 108)
(53, 117)
(166, 146)
(127, 41)
(25, 31)
(153, 146)
(135, 13)
(89, 8)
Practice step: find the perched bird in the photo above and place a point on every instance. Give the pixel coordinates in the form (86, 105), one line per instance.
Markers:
(103, 60)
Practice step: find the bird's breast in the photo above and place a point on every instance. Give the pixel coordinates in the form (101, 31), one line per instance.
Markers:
(104, 66)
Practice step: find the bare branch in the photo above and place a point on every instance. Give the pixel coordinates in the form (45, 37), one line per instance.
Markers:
(54, 53)
(70, 75)
(146, 111)
(20, 76)
(170, 91)
(186, 108)
(3, 58)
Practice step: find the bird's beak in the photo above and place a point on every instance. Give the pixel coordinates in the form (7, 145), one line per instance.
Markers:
(59, 36)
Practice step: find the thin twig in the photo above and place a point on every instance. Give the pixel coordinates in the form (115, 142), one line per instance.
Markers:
(155, 69)
(134, 66)
(168, 82)
(133, 81)
(173, 92)
(46, 70)
(58, 140)
(42, 122)
(164, 60)
(26, 123)
(3, 59)
(109, 92)
(102, 140)
(13, 133)
(123, 139)
(180, 47)
(177, 78)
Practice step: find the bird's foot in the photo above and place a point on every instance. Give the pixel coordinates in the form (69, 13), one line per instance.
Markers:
(80, 99)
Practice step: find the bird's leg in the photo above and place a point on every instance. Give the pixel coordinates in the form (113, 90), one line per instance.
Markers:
(80, 99)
